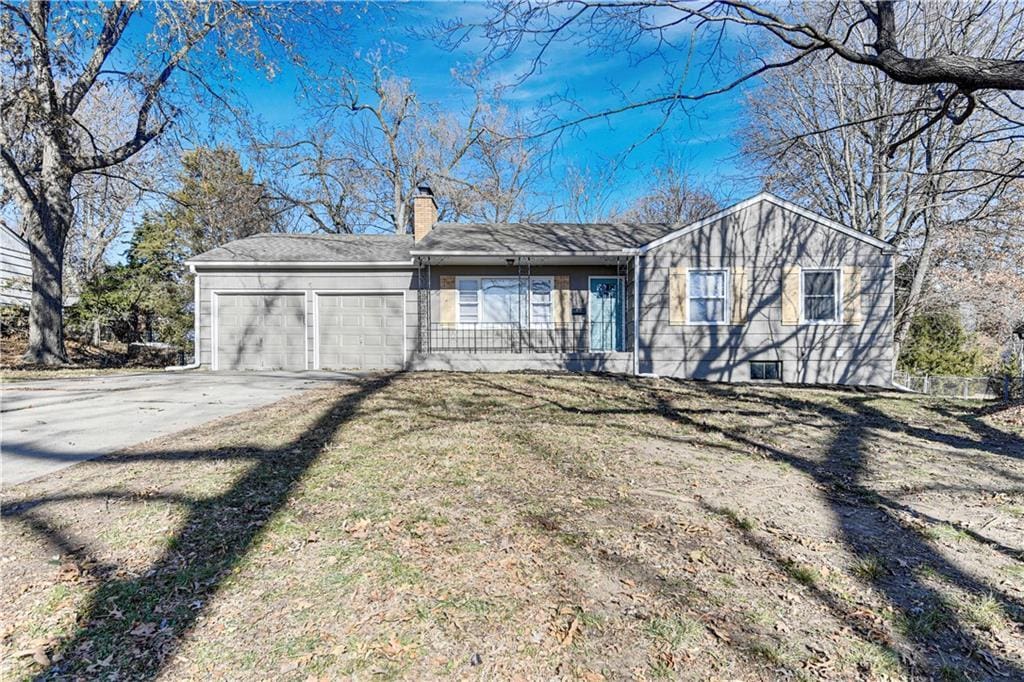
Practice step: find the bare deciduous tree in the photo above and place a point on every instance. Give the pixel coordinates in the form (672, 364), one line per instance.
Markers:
(983, 279)
(358, 168)
(314, 175)
(673, 197)
(585, 194)
(497, 179)
(679, 32)
(52, 56)
(821, 132)
(108, 201)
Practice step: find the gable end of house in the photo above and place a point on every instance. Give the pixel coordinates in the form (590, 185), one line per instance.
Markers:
(768, 197)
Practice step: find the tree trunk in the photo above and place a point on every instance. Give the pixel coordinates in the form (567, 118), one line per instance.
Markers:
(46, 314)
(906, 315)
(49, 222)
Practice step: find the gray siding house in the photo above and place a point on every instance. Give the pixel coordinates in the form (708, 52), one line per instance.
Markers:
(763, 290)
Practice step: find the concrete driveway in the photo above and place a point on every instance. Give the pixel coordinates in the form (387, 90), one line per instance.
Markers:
(50, 424)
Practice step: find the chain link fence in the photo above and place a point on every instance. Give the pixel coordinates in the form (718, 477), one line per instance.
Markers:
(972, 388)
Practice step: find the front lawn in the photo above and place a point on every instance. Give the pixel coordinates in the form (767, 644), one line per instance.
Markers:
(533, 526)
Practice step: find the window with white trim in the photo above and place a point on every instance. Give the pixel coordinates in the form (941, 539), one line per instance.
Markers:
(505, 301)
(706, 296)
(820, 295)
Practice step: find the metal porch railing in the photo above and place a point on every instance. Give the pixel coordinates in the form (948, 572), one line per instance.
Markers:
(508, 339)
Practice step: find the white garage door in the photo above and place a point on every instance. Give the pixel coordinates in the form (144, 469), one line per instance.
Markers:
(361, 331)
(261, 331)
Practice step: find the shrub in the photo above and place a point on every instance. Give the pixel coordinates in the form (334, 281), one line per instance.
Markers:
(13, 320)
(937, 344)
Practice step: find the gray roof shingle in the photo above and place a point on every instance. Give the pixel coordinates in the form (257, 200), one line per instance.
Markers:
(312, 248)
(482, 238)
(539, 238)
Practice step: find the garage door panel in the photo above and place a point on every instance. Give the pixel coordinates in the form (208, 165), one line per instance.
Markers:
(361, 331)
(351, 321)
(261, 331)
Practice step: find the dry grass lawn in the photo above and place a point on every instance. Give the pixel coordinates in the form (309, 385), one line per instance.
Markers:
(533, 526)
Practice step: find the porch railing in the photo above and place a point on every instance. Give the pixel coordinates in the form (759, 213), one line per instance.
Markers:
(507, 339)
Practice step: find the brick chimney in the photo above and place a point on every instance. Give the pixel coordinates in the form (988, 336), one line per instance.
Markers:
(424, 212)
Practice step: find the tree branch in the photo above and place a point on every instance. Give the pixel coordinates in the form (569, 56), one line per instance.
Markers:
(143, 133)
(19, 177)
(115, 20)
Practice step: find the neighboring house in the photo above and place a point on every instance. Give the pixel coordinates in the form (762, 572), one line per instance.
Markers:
(764, 290)
(15, 269)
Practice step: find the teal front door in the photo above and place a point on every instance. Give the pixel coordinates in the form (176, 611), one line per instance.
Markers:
(606, 314)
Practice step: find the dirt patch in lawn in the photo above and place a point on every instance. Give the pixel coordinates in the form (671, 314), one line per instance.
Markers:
(532, 526)
(84, 360)
(80, 355)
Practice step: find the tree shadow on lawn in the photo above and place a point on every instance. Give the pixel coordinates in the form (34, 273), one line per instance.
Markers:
(869, 528)
(160, 606)
(866, 519)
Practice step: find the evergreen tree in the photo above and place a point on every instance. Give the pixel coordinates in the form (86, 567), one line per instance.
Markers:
(937, 344)
(149, 297)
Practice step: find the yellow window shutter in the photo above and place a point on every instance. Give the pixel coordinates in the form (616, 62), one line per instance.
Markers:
(851, 295)
(562, 301)
(449, 300)
(677, 296)
(740, 297)
(791, 295)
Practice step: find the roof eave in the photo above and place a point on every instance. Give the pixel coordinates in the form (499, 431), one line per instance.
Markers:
(525, 254)
(297, 265)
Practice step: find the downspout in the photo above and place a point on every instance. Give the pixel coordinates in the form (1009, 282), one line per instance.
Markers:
(636, 314)
(195, 321)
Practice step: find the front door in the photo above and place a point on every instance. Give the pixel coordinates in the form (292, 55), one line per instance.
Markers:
(606, 314)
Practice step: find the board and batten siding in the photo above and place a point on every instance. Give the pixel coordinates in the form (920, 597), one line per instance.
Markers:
(306, 282)
(760, 244)
(15, 270)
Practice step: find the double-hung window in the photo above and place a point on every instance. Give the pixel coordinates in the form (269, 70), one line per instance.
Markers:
(540, 302)
(504, 301)
(706, 296)
(820, 295)
(469, 301)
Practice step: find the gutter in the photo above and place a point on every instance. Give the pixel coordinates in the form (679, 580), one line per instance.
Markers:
(296, 265)
(195, 364)
(524, 254)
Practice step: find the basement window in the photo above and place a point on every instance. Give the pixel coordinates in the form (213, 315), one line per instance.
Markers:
(762, 370)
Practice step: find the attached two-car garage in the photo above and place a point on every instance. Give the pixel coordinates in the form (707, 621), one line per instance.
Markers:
(278, 330)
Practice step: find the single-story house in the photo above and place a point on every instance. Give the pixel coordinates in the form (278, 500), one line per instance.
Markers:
(763, 290)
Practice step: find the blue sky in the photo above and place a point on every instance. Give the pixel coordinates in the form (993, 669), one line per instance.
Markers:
(701, 139)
